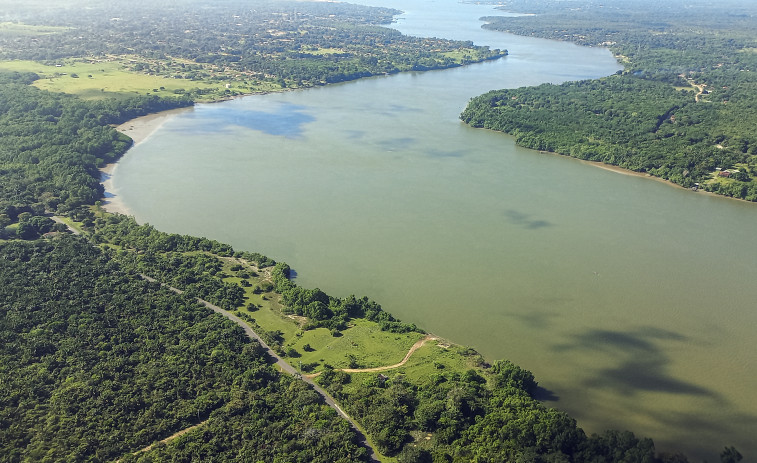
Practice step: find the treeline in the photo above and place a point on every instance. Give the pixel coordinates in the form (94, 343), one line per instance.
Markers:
(186, 262)
(51, 145)
(683, 106)
(486, 415)
(330, 312)
(292, 43)
(97, 363)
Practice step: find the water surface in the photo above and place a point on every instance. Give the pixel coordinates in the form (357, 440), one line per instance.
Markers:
(632, 301)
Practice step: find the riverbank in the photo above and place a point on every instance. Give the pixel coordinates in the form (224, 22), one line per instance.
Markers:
(633, 173)
(139, 130)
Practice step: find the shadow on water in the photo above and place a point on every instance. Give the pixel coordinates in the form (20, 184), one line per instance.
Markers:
(397, 144)
(525, 220)
(732, 425)
(545, 395)
(641, 365)
(292, 274)
(536, 319)
(355, 134)
(446, 154)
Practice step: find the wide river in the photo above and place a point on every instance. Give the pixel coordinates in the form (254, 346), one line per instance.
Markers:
(632, 301)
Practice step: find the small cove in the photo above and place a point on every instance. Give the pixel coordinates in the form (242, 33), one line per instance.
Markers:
(631, 301)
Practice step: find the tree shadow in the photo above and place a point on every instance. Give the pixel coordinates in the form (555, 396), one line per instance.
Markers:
(642, 364)
(545, 395)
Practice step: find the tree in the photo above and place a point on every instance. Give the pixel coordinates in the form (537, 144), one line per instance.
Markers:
(730, 455)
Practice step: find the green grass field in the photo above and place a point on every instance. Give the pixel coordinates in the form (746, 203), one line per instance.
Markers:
(99, 79)
(13, 29)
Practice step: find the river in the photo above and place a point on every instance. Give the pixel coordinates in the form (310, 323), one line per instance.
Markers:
(631, 300)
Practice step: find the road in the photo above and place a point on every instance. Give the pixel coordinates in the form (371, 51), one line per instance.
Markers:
(58, 219)
(281, 363)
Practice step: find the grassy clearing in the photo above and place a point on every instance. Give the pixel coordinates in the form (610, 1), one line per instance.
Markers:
(688, 89)
(362, 345)
(323, 51)
(13, 29)
(439, 357)
(71, 223)
(460, 55)
(464, 55)
(99, 79)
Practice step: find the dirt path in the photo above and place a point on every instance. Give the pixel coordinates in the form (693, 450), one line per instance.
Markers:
(58, 219)
(170, 438)
(414, 348)
(282, 364)
(700, 90)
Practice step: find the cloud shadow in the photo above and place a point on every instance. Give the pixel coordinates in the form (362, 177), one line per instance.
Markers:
(525, 220)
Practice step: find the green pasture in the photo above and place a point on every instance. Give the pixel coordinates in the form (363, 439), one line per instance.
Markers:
(98, 79)
(363, 345)
(14, 29)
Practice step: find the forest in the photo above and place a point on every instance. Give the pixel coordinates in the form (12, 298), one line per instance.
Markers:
(97, 363)
(101, 363)
(683, 109)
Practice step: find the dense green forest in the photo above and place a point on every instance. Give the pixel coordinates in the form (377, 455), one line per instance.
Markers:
(683, 109)
(97, 363)
(484, 415)
(289, 43)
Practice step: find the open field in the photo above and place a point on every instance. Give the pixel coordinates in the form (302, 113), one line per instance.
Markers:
(362, 345)
(15, 29)
(98, 79)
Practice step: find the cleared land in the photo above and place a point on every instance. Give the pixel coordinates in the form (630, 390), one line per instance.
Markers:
(100, 79)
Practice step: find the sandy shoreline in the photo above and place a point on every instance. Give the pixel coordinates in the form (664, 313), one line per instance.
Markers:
(633, 173)
(139, 130)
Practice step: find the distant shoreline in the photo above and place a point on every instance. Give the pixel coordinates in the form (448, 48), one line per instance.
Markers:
(139, 130)
(632, 173)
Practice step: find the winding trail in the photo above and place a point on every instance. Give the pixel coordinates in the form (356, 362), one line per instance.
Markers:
(281, 363)
(414, 348)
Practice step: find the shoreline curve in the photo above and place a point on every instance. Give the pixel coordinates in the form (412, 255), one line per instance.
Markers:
(139, 130)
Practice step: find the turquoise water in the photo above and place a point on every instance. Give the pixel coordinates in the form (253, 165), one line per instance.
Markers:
(632, 301)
